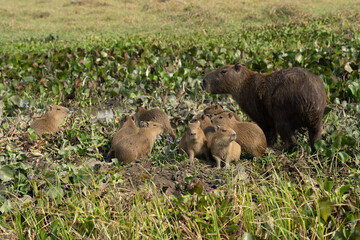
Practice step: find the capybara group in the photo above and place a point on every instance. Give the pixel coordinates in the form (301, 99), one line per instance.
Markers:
(280, 102)
(223, 146)
(155, 115)
(249, 135)
(194, 142)
(51, 120)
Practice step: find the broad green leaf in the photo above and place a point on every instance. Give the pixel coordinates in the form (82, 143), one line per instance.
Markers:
(247, 236)
(299, 57)
(325, 207)
(7, 173)
(328, 185)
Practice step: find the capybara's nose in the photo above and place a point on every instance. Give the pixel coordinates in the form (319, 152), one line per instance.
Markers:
(192, 134)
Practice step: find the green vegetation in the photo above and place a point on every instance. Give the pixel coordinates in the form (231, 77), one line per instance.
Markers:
(61, 187)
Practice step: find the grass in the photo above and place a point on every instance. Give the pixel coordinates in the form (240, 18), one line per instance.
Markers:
(75, 19)
(60, 187)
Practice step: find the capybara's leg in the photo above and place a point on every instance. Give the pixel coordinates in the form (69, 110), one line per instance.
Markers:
(271, 137)
(314, 135)
(287, 134)
(218, 161)
(191, 155)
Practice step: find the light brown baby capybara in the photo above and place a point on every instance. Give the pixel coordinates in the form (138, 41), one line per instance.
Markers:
(128, 127)
(280, 102)
(136, 146)
(51, 120)
(223, 146)
(194, 142)
(206, 126)
(155, 115)
(249, 135)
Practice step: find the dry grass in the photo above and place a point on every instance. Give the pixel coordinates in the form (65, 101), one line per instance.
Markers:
(70, 19)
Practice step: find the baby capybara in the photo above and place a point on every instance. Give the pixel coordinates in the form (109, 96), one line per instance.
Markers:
(194, 142)
(51, 120)
(155, 115)
(223, 146)
(249, 135)
(136, 146)
(280, 102)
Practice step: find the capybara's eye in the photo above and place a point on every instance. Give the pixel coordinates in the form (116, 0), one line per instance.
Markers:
(223, 130)
(221, 117)
(58, 109)
(223, 71)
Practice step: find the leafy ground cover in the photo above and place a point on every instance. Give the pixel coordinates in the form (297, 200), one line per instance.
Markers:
(62, 187)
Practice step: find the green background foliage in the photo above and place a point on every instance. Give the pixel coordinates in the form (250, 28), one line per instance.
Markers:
(61, 187)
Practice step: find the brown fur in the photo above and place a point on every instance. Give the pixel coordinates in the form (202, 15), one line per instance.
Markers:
(281, 102)
(194, 142)
(51, 120)
(217, 109)
(224, 148)
(138, 145)
(249, 135)
(155, 115)
(127, 127)
(206, 126)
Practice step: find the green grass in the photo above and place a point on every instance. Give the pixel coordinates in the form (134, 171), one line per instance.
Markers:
(75, 19)
(60, 187)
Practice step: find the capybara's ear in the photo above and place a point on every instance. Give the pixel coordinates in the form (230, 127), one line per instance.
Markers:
(202, 117)
(231, 114)
(216, 127)
(133, 118)
(238, 67)
(125, 118)
(216, 106)
(49, 108)
(146, 108)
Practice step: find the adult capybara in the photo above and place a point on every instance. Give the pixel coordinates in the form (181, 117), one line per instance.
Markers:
(249, 135)
(280, 102)
(51, 120)
(155, 115)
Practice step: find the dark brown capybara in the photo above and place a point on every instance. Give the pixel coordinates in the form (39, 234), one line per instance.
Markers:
(280, 102)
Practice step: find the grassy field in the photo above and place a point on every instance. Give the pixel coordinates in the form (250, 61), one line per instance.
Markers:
(115, 55)
(74, 19)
